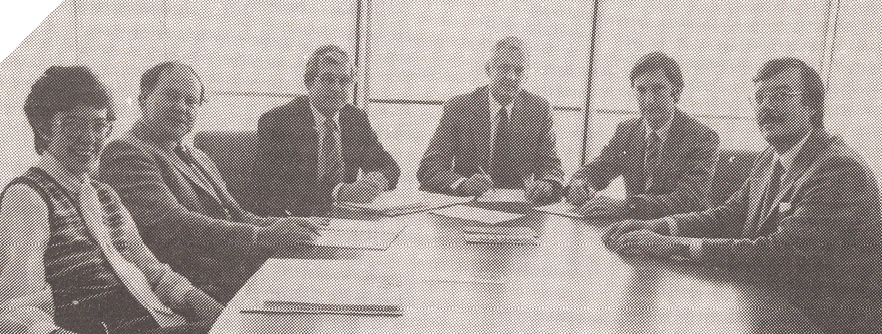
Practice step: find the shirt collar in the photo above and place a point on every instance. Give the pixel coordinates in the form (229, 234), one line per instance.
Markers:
(68, 181)
(320, 118)
(495, 105)
(662, 132)
(788, 157)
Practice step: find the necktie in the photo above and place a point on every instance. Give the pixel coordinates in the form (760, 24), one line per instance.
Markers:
(131, 276)
(502, 172)
(651, 158)
(330, 160)
(205, 179)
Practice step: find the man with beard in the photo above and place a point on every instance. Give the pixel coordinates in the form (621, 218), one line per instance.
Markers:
(311, 150)
(178, 198)
(806, 219)
(498, 136)
(665, 156)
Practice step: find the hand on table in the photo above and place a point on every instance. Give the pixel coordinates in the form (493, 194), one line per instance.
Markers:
(476, 185)
(604, 207)
(578, 192)
(289, 231)
(649, 243)
(539, 191)
(615, 231)
(361, 191)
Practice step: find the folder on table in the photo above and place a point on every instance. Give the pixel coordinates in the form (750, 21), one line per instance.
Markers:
(400, 202)
(501, 234)
(480, 215)
(334, 296)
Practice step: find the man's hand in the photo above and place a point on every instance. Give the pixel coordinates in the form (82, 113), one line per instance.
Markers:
(361, 191)
(649, 243)
(539, 191)
(476, 185)
(615, 231)
(377, 179)
(578, 192)
(603, 207)
(288, 231)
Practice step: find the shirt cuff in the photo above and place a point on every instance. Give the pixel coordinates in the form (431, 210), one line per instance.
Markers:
(695, 245)
(456, 183)
(42, 328)
(174, 287)
(672, 226)
(336, 191)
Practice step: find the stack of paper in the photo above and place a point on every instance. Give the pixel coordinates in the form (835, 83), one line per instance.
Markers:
(480, 215)
(324, 290)
(498, 234)
(561, 209)
(400, 202)
(354, 239)
(504, 195)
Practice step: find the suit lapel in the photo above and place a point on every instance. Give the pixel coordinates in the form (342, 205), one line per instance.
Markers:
(483, 121)
(804, 159)
(757, 190)
(666, 150)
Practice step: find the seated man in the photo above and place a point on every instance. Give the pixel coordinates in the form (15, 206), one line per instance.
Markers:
(64, 229)
(498, 136)
(665, 156)
(806, 218)
(179, 200)
(310, 150)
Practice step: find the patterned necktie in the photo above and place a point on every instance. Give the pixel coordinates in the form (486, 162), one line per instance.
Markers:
(502, 172)
(131, 276)
(652, 150)
(330, 160)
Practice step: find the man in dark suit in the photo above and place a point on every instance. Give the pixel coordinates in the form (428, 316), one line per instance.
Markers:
(665, 156)
(312, 149)
(178, 198)
(497, 136)
(807, 217)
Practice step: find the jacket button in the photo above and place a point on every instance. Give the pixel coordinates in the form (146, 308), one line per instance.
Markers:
(75, 302)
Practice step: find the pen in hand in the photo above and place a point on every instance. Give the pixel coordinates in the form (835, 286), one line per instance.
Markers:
(492, 186)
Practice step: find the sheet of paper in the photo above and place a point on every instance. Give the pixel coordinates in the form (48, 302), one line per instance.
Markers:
(501, 239)
(398, 202)
(354, 239)
(503, 230)
(384, 225)
(335, 296)
(476, 214)
(504, 195)
(562, 209)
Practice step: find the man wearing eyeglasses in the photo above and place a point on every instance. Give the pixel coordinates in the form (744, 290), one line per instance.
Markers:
(498, 136)
(806, 219)
(665, 156)
(319, 148)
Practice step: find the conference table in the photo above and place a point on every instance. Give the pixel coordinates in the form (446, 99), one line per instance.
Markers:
(568, 283)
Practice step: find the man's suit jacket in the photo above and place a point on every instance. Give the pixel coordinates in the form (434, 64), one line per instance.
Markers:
(181, 219)
(285, 173)
(679, 182)
(823, 226)
(462, 144)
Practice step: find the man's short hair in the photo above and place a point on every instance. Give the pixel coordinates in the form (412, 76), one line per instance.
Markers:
(150, 79)
(325, 55)
(658, 61)
(61, 89)
(812, 86)
(509, 44)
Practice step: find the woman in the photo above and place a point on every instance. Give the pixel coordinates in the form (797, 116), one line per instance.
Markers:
(79, 238)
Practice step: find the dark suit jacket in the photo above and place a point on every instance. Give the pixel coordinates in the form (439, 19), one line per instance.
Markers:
(181, 219)
(285, 172)
(679, 183)
(463, 142)
(823, 226)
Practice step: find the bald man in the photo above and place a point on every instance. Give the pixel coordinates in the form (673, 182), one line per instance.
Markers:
(498, 136)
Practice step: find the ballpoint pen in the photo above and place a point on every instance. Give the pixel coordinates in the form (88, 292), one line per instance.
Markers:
(492, 186)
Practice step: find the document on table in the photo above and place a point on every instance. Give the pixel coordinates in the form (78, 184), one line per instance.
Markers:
(503, 195)
(354, 239)
(400, 202)
(384, 225)
(501, 234)
(561, 209)
(476, 214)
